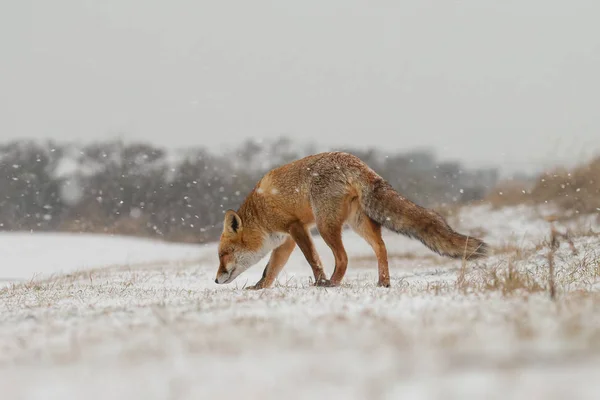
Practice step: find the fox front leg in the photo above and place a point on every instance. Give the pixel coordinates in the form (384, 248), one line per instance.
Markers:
(260, 284)
(279, 258)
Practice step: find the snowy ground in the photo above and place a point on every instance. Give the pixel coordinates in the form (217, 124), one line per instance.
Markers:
(27, 256)
(132, 319)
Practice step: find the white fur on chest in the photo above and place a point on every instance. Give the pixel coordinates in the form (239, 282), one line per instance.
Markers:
(273, 241)
(270, 242)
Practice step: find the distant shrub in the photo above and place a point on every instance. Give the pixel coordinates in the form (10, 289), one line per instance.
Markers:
(576, 190)
(510, 193)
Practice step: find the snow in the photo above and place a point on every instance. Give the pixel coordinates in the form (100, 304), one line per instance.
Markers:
(139, 319)
(38, 255)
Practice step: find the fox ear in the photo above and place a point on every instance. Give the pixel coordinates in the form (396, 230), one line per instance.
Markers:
(232, 223)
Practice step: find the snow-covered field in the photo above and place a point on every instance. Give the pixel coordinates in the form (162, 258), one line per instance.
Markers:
(27, 256)
(121, 318)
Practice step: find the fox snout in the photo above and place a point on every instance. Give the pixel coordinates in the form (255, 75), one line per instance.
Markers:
(222, 275)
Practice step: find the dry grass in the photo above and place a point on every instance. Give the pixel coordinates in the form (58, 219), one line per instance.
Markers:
(509, 193)
(511, 281)
(503, 277)
(576, 191)
(570, 269)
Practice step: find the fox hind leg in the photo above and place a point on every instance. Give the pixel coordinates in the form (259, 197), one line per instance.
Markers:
(330, 221)
(332, 235)
(371, 232)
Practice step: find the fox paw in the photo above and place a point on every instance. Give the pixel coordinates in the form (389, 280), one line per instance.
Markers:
(258, 286)
(324, 283)
(385, 284)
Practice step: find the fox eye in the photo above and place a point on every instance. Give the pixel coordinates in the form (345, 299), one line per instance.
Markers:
(224, 253)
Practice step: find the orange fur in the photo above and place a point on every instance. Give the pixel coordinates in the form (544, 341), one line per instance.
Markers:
(329, 190)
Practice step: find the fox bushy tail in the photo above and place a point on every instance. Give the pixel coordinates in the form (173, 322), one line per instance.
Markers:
(388, 208)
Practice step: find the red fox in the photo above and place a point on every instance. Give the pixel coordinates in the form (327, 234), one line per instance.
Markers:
(329, 189)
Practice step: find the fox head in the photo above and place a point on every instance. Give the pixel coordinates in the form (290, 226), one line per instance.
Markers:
(239, 248)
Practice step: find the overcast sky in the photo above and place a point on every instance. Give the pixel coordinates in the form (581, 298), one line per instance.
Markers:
(514, 83)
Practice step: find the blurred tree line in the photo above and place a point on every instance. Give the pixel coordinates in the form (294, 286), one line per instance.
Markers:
(139, 189)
